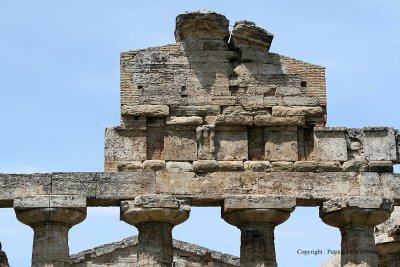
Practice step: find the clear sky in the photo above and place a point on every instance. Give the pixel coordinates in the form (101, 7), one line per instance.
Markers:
(59, 82)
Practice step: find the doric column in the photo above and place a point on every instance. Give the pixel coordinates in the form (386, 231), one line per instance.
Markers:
(155, 216)
(356, 217)
(50, 226)
(256, 217)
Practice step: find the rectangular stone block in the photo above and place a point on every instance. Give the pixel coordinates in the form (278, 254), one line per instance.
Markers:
(281, 143)
(231, 144)
(180, 145)
(145, 110)
(113, 186)
(75, 183)
(50, 201)
(268, 120)
(279, 111)
(230, 166)
(206, 110)
(206, 142)
(124, 145)
(330, 144)
(300, 101)
(238, 202)
(234, 119)
(379, 143)
(188, 120)
(155, 143)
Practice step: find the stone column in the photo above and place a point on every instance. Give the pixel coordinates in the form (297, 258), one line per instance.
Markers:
(155, 216)
(257, 217)
(50, 226)
(356, 217)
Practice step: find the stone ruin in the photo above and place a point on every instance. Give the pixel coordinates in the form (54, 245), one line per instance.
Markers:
(217, 120)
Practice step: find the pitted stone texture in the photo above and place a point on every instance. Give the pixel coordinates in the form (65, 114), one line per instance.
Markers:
(123, 145)
(179, 166)
(330, 144)
(379, 144)
(201, 24)
(180, 145)
(154, 208)
(281, 143)
(231, 143)
(205, 166)
(50, 201)
(189, 120)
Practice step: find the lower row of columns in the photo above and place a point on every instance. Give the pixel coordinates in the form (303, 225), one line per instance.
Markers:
(256, 217)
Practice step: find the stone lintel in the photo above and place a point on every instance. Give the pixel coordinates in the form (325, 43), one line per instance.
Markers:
(240, 202)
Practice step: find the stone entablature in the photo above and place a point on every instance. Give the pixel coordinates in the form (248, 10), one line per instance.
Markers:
(218, 120)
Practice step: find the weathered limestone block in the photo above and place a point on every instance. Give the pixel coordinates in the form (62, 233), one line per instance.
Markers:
(356, 217)
(231, 143)
(234, 119)
(281, 143)
(205, 166)
(228, 166)
(155, 216)
(129, 166)
(268, 120)
(154, 165)
(300, 101)
(379, 143)
(380, 166)
(50, 225)
(189, 120)
(330, 144)
(246, 34)
(282, 166)
(256, 216)
(329, 166)
(123, 145)
(355, 166)
(145, 110)
(257, 166)
(206, 139)
(280, 111)
(179, 166)
(305, 166)
(201, 24)
(134, 123)
(180, 145)
(206, 110)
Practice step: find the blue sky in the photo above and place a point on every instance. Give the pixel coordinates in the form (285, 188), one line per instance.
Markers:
(59, 82)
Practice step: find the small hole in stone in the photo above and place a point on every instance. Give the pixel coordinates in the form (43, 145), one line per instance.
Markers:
(303, 84)
(136, 118)
(140, 87)
(233, 89)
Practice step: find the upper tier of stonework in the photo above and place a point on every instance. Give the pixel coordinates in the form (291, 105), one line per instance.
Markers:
(212, 76)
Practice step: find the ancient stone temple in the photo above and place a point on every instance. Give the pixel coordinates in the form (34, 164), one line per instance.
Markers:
(217, 120)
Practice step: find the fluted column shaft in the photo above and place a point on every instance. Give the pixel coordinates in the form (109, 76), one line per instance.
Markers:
(155, 216)
(356, 217)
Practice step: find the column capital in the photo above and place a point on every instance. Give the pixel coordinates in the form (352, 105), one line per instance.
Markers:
(241, 210)
(356, 211)
(154, 208)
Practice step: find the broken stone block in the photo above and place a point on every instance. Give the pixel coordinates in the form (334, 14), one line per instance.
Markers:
(330, 144)
(305, 166)
(231, 143)
(180, 145)
(246, 34)
(229, 166)
(355, 166)
(281, 143)
(379, 143)
(205, 138)
(179, 166)
(329, 166)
